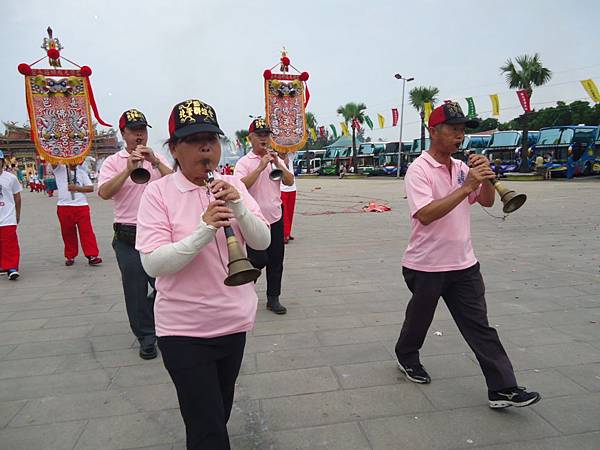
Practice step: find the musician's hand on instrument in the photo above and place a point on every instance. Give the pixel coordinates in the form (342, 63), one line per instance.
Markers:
(477, 160)
(222, 190)
(147, 153)
(73, 188)
(265, 161)
(477, 175)
(134, 158)
(217, 214)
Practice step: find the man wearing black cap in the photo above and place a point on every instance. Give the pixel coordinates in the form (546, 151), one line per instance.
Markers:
(114, 183)
(254, 169)
(439, 260)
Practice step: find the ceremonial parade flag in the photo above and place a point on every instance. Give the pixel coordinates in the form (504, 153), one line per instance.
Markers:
(592, 90)
(427, 108)
(381, 120)
(322, 132)
(394, 117)
(344, 127)
(286, 96)
(523, 95)
(495, 104)
(335, 135)
(356, 124)
(471, 113)
(313, 134)
(59, 104)
(369, 122)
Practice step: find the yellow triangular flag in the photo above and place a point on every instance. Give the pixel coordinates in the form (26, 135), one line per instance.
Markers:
(344, 127)
(313, 134)
(381, 120)
(427, 108)
(495, 104)
(592, 90)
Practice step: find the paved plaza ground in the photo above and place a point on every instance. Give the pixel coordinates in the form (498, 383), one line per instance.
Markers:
(324, 375)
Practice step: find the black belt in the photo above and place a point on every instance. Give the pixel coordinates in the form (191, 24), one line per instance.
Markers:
(125, 233)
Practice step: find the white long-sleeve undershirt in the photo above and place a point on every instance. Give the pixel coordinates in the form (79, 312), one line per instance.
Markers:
(171, 258)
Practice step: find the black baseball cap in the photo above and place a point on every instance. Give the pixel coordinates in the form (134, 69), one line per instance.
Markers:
(191, 117)
(259, 125)
(133, 118)
(451, 113)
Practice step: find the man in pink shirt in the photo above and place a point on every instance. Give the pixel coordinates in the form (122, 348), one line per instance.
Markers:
(115, 183)
(439, 260)
(254, 170)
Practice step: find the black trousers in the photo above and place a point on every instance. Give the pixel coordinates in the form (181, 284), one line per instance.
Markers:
(464, 294)
(271, 258)
(139, 303)
(204, 373)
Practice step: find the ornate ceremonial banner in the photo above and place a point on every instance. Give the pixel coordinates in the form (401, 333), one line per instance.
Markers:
(472, 113)
(427, 109)
(58, 104)
(286, 96)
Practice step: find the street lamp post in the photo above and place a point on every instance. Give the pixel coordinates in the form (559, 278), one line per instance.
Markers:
(404, 81)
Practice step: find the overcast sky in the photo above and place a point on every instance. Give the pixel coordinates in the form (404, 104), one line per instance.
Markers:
(152, 54)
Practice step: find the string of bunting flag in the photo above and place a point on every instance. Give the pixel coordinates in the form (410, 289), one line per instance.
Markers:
(524, 99)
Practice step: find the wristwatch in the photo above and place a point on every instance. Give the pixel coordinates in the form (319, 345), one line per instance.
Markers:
(156, 163)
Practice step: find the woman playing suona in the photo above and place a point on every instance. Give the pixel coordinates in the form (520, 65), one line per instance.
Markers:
(201, 324)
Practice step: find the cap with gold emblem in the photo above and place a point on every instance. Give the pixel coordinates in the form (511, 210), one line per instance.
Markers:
(451, 113)
(259, 125)
(133, 118)
(191, 117)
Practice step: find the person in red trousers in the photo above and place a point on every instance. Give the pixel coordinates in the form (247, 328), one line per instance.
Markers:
(74, 213)
(288, 199)
(10, 214)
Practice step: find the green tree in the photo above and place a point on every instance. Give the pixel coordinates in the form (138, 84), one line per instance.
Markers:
(349, 112)
(485, 125)
(241, 135)
(418, 97)
(527, 73)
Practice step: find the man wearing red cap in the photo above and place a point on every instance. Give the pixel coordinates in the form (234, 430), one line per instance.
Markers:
(115, 183)
(254, 170)
(439, 260)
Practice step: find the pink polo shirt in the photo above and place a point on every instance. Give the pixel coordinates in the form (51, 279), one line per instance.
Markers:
(127, 200)
(265, 191)
(194, 301)
(444, 244)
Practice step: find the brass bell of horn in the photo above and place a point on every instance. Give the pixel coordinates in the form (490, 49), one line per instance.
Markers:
(239, 268)
(511, 200)
(275, 174)
(139, 175)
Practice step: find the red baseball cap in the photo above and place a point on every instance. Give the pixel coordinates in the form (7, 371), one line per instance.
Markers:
(451, 113)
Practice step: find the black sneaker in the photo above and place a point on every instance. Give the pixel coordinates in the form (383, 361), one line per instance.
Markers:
(148, 351)
(415, 373)
(516, 396)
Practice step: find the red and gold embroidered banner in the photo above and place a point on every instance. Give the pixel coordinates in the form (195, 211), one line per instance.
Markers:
(59, 103)
(286, 97)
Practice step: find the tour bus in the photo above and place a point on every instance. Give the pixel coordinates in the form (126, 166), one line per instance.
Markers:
(335, 157)
(580, 142)
(314, 159)
(506, 146)
(368, 156)
(387, 163)
(473, 143)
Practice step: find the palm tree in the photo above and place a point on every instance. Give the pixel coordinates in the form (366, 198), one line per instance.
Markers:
(241, 136)
(530, 73)
(418, 97)
(311, 120)
(351, 111)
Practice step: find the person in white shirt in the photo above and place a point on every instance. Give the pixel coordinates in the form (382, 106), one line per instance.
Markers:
(74, 213)
(10, 215)
(288, 199)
